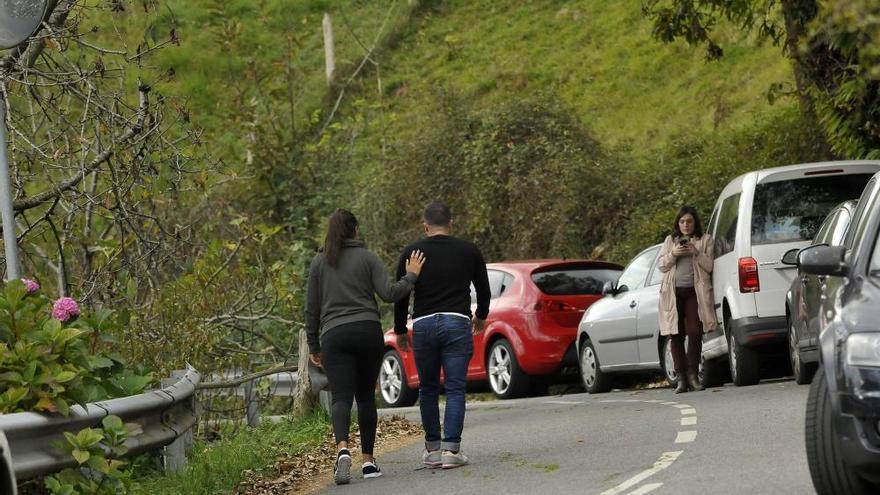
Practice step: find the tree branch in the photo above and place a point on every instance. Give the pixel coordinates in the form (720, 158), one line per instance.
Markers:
(244, 379)
(70, 183)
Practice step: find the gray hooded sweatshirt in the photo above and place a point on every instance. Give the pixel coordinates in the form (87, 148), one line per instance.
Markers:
(344, 294)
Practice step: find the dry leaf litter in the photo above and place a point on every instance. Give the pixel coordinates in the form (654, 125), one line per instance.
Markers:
(291, 472)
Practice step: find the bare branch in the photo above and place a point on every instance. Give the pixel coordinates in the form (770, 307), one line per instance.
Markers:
(126, 138)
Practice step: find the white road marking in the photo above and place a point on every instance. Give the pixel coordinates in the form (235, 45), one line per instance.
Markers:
(646, 489)
(685, 412)
(686, 436)
(664, 462)
(653, 401)
(689, 421)
(669, 403)
(684, 406)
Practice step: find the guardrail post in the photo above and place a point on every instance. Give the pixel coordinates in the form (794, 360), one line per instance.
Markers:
(253, 405)
(174, 454)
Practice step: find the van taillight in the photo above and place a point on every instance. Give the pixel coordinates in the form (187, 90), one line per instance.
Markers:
(551, 306)
(748, 275)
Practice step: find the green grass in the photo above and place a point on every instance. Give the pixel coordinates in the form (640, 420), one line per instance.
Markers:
(218, 467)
(597, 56)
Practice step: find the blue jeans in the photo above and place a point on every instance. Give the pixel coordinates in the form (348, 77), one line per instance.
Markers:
(442, 340)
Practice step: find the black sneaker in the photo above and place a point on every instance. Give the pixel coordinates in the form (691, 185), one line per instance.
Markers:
(342, 471)
(371, 470)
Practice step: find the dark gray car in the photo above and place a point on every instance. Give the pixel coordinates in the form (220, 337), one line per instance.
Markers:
(802, 299)
(842, 427)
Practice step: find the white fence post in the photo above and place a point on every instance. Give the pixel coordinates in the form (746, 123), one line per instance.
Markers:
(329, 49)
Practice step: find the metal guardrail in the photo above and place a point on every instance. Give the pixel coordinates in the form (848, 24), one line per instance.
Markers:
(163, 415)
(282, 384)
(7, 477)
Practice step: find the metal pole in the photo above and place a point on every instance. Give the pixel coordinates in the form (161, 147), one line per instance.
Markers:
(7, 215)
(174, 454)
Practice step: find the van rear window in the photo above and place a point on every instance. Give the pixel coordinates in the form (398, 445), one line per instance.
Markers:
(574, 281)
(793, 210)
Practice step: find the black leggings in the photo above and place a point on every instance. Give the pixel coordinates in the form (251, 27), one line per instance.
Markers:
(352, 356)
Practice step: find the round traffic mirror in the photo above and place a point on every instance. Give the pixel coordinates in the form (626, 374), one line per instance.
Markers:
(19, 19)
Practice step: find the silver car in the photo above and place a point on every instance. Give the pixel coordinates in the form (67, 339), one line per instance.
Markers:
(621, 332)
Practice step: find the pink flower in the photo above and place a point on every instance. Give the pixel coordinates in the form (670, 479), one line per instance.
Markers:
(31, 285)
(65, 308)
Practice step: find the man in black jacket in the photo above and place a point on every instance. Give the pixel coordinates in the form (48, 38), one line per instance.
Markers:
(443, 329)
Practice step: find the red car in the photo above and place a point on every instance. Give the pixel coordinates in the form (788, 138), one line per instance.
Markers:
(533, 319)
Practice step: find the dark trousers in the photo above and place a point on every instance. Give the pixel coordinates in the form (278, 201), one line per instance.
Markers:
(688, 325)
(351, 355)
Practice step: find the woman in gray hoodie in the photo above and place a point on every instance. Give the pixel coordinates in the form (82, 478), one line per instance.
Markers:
(344, 330)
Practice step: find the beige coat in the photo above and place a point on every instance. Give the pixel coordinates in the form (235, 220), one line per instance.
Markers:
(703, 262)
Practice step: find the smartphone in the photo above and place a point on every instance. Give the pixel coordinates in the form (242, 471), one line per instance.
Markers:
(683, 242)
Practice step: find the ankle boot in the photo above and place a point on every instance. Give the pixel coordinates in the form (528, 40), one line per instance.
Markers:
(682, 385)
(693, 382)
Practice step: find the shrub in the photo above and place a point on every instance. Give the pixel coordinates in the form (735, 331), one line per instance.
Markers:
(48, 365)
(518, 177)
(96, 452)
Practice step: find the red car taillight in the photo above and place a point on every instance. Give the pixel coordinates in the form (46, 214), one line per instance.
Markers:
(551, 306)
(748, 275)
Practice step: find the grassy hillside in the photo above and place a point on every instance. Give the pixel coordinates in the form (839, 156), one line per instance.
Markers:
(252, 73)
(597, 56)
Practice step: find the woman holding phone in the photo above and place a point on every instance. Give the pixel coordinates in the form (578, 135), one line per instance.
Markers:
(687, 303)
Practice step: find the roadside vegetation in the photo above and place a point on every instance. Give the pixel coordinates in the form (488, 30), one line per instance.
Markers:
(221, 466)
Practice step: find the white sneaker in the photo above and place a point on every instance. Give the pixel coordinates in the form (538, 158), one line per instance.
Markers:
(371, 470)
(450, 460)
(342, 471)
(431, 459)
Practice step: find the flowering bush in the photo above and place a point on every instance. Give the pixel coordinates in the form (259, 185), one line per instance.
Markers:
(65, 308)
(48, 362)
(31, 285)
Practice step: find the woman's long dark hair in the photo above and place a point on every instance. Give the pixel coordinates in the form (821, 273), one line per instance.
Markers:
(698, 227)
(342, 226)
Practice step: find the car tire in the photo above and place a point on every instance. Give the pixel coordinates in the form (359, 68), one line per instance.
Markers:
(744, 366)
(506, 379)
(803, 372)
(828, 469)
(392, 382)
(667, 363)
(595, 381)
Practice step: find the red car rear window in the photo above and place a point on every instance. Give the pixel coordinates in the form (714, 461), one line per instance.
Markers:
(573, 281)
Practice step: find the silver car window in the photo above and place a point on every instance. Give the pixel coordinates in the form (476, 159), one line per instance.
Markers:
(656, 274)
(635, 274)
(840, 227)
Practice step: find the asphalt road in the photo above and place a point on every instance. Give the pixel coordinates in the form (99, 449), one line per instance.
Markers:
(726, 440)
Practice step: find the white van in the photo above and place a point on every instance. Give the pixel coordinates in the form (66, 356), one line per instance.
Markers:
(757, 218)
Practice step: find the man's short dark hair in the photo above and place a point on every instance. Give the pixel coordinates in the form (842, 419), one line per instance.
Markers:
(437, 214)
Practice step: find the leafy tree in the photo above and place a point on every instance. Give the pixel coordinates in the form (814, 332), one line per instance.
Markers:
(833, 47)
(522, 179)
